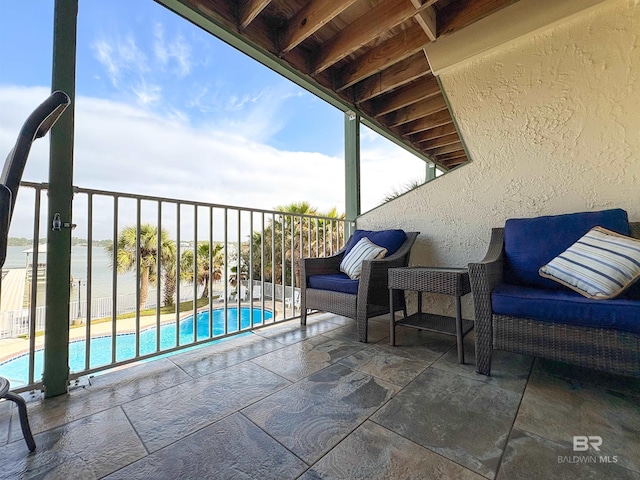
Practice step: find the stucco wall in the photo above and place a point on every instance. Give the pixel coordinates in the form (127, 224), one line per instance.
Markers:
(552, 125)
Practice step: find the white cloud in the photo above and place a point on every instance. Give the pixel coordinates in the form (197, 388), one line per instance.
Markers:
(124, 148)
(120, 56)
(177, 50)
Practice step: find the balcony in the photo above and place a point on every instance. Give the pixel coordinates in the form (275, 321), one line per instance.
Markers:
(311, 402)
(517, 139)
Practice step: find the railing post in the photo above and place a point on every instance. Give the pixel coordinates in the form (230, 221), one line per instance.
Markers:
(352, 165)
(56, 356)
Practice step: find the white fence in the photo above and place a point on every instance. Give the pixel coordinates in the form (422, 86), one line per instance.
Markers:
(15, 323)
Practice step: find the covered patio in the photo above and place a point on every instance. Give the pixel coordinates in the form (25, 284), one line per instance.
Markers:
(526, 109)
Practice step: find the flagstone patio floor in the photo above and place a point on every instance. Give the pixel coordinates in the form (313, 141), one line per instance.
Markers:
(311, 402)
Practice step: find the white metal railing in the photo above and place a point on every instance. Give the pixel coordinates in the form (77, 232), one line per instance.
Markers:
(237, 257)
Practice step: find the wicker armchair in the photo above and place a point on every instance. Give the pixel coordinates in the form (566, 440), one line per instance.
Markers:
(373, 292)
(604, 349)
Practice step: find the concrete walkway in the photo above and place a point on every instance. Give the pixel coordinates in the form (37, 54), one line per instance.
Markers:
(13, 285)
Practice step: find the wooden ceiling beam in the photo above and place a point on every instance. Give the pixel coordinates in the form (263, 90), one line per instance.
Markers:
(460, 14)
(426, 18)
(250, 9)
(407, 95)
(425, 123)
(452, 160)
(442, 141)
(395, 76)
(308, 20)
(434, 133)
(381, 18)
(449, 149)
(397, 48)
(418, 110)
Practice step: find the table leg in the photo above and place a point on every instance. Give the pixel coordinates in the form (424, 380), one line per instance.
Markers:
(392, 323)
(459, 339)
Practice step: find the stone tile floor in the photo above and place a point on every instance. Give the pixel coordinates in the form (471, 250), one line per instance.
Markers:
(311, 402)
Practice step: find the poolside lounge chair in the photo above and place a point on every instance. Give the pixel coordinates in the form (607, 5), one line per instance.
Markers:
(36, 126)
(257, 292)
(296, 300)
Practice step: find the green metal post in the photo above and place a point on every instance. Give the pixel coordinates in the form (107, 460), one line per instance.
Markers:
(431, 172)
(352, 164)
(56, 342)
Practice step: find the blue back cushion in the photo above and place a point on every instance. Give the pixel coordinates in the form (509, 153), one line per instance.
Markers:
(530, 243)
(389, 239)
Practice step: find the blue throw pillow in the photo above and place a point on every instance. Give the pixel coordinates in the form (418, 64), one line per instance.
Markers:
(530, 243)
(389, 239)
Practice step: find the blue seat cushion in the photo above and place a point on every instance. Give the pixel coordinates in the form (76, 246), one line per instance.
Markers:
(566, 306)
(530, 243)
(389, 239)
(336, 282)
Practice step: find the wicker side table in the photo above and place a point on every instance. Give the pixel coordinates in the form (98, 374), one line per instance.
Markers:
(446, 281)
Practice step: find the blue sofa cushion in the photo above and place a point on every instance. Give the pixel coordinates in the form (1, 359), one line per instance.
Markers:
(389, 239)
(336, 282)
(567, 307)
(530, 243)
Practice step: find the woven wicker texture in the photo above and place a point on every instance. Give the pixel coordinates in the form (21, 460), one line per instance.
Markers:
(373, 294)
(599, 348)
(446, 281)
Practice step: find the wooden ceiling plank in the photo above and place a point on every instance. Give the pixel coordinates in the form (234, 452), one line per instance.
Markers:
(455, 162)
(440, 141)
(249, 10)
(452, 159)
(425, 123)
(458, 15)
(381, 18)
(416, 111)
(453, 148)
(407, 95)
(392, 51)
(434, 133)
(309, 19)
(451, 156)
(395, 76)
(219, 10)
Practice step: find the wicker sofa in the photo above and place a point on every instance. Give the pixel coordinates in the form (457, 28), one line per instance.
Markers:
(516, 312)
(325, 288)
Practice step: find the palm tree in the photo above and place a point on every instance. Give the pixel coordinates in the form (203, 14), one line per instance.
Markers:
(205, 274)
(304, 240)
(127, 254)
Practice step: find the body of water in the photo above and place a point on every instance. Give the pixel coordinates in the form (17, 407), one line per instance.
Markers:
(16, 370)
(101, 275)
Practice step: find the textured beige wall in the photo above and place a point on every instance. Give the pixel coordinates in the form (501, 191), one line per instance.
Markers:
(552, 124)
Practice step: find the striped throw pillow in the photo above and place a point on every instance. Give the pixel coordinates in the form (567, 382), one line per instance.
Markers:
(363, 250)
(601, 264)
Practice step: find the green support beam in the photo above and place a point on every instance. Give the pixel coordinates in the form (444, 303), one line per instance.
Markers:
(56, 340)
(352, 164)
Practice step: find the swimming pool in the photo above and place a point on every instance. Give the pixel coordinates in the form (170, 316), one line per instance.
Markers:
(17, 369)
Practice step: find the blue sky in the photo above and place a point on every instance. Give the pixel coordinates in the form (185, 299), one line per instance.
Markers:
(163, 108)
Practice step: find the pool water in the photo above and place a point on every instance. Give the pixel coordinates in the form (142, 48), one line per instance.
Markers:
(16, 370)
